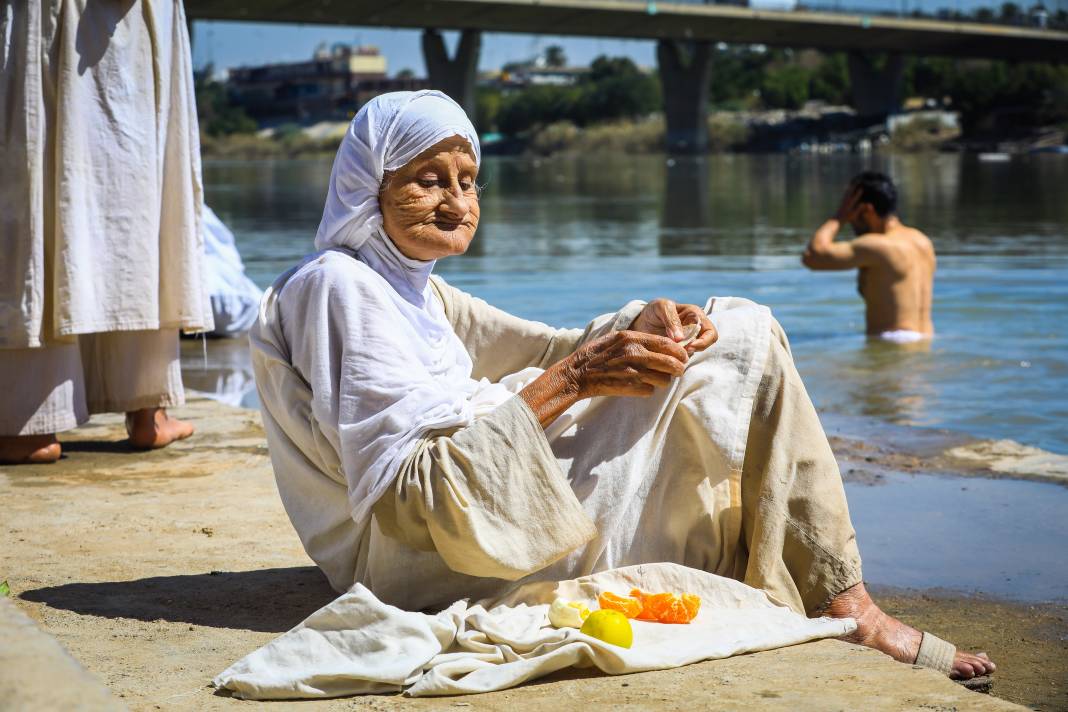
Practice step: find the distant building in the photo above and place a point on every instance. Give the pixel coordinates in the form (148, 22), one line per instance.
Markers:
(332, 85)
(533, 72)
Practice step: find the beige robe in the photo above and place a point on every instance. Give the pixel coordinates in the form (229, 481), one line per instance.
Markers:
(101, 192)
(683, 476)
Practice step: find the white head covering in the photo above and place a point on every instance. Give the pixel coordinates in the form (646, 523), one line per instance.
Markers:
(388, 132)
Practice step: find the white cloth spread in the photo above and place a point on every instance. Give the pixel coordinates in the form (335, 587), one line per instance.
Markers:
(359, 645)
(235, 299)
(100, 165)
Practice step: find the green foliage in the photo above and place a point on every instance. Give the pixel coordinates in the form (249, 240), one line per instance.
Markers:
(287, 132)
(5, 590)
(830, 81)
(785, 86)
(555, 57)
(614, 89)
(218, 117)
(737, 73)
(980, 88)
(487, 109)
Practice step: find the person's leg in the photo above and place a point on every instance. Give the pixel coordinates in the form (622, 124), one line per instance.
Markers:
(799, 539)
(43, 395)
(138, 373)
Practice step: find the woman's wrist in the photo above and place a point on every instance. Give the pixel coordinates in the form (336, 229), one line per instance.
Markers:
(551, 393)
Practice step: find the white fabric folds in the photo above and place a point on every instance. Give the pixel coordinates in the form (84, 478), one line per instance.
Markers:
(100, 187)
(404, 372)
(359, 645)
(235, 299)
(401, 372)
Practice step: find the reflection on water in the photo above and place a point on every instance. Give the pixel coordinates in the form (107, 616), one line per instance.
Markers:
(891, 381)
(220, 367)
(566, 238)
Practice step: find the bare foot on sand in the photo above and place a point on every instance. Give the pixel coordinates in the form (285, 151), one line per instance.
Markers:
(152, 428)
(886, 634)
(29, 450)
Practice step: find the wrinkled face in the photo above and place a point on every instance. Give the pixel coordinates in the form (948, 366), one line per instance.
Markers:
(430, 206)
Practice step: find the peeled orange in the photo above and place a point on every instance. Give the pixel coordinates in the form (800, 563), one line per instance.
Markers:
(630, 607)
(667, 607)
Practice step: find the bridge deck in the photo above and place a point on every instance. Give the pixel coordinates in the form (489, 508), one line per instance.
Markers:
(627, 18)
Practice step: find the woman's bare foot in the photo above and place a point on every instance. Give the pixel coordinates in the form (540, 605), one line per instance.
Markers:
(152, 428)
(29, 449)
(876, 629)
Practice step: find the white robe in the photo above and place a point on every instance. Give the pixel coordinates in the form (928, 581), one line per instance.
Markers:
(101, 192)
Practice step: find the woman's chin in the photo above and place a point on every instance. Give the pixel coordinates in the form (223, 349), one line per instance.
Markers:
(448, 243)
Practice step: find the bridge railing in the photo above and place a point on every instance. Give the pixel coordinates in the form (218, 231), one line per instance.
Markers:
(1037, 15)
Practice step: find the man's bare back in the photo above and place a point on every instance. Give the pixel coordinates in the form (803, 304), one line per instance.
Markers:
(897, 287)
(895, 263)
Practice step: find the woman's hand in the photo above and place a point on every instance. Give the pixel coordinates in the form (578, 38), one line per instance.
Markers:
(664, 317)
(623, 363)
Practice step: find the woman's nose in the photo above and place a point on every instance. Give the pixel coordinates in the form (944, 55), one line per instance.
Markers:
(454, 202)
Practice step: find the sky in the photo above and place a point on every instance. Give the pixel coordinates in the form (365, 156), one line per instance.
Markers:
(233, 44)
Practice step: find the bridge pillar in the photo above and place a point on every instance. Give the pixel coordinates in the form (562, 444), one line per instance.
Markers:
(456, 76)
(876, 91)
(685, 88)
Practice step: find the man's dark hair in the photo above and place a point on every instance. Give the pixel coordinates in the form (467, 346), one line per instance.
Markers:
(877, 189)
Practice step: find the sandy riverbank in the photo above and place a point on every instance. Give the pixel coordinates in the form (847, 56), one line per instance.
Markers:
(158, 570)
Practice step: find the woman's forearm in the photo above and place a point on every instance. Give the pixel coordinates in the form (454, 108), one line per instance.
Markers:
(550, 394)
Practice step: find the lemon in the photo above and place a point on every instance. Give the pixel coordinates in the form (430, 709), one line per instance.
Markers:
(610, 626)
(567, 614)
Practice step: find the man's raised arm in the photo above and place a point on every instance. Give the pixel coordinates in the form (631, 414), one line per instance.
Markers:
(823, 253)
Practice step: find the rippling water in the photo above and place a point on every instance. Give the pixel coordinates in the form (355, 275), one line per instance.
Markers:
(566, 238)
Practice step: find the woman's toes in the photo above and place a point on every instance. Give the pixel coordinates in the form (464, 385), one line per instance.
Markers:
(962, 670)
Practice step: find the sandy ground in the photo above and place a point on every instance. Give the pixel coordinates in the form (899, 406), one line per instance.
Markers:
(158, 570)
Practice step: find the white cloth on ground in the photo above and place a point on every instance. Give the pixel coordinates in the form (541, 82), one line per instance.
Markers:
(903, 336)
(359, 645)
(101, 189)
(235, 299)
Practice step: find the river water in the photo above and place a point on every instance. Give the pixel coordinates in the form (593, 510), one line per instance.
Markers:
(566, 238)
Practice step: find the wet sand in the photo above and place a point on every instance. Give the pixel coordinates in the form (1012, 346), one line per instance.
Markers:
(158, 570)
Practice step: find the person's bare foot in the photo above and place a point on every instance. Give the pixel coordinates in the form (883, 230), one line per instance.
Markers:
(29, 449)
(152, 428)
(876, 629)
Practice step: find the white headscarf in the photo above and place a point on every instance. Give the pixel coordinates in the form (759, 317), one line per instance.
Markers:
(388, 132)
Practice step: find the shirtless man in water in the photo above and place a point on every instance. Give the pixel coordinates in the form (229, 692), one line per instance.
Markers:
(895, 263)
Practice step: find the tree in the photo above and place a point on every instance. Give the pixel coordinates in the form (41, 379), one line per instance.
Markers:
(555, 57)
(615, 88)
(830, 81)
(785, 87)
(1010, 12)
(216, 114)
(405, 74)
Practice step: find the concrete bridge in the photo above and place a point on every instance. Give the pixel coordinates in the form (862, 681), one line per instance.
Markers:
(685, 34)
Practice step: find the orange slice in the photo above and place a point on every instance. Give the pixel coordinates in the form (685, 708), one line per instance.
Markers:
(630, 607)
(667, 607)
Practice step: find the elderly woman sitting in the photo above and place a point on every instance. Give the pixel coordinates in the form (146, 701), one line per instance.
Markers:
(433, 447)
